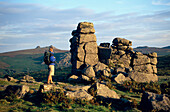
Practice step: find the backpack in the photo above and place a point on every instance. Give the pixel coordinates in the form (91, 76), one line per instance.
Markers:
(47, 55)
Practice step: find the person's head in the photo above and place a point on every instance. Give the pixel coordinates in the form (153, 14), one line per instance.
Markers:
(51, 48)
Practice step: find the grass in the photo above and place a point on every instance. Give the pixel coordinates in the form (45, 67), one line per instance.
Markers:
(163, 65)
(18, 69)
(26, 105)
(26, 63)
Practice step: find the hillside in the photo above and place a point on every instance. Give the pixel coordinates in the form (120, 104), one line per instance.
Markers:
(160, 51)
(30, 60)
(37, 50)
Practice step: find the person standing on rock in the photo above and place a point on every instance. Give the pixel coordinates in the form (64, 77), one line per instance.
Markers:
(49, 60)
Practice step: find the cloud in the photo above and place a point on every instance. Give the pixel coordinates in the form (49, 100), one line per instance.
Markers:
(30, 25)
(161, 2)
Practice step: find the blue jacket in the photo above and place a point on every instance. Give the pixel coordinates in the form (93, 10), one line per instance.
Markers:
(52, 59)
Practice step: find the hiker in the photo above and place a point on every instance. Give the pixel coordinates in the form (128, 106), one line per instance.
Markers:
(49, 60)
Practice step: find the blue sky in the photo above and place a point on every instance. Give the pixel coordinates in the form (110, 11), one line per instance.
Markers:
(25, 24)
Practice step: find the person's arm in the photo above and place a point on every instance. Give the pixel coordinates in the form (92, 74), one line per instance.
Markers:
(52, 59)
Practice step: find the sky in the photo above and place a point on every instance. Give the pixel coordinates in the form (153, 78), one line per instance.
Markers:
(25, 24)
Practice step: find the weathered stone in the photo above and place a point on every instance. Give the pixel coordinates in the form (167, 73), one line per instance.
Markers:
(73, 78)
(84, 78)
(153, 61)
(74, 40)
(91, 48)
(76, 88)
(119, 70)
(84, 38)
(100, 67)
(4, 79)
(141, 59)
(80, 94)
(81, 56)
(46, 88)
(120, 78)
(106, 73)
(144, 68)
(154, 69)
(27, 77)
(91, 59)
(18, 90)
(74, 32)
(121, 52)
(154, 102)
(9, 78)
(125, 60)
(129, 48)
(88, 71)
(138, 53)
(122, 47)
(122, 40)
(77, 64)
(103, 91)
(86, 30)
(143, 77)
(80, 48)
(104, 53)
(127, 79)
(85, 25)
(129, 69)
(105, 45)
(153, 55)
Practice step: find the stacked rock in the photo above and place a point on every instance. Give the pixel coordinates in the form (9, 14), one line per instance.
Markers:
(145, 62)
(104, 52)
(83, 46)
(139, 67)
(121, 52)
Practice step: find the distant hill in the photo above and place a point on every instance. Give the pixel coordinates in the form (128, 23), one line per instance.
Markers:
(37, 50)
(160, 51)
(167, 47)
(30, 60)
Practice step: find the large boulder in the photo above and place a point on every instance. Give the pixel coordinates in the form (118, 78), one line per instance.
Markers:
(143, 77)
(73, 78)
(153, 55)
(144, 68)
(9, 78)
(140, 59)
(46, 88)
(120, 78)
(154, 102)
(91, 59)
(91, 48)
(123, 41)
(104, 52)
(83, 38)
(153, 61)
(27, 77)
(84, 78)
(99, 67)
(76, 88)
(79, 94)
(18, 90)
(88, 71)
(101, 90)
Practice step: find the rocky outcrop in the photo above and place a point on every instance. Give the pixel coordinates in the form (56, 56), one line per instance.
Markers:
(101, 90)
(143, 77)
(91, 61)
(9, 78)
(79, 94)
(154, 102)
(17, 90)
(46, 87)
(83, 47)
